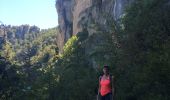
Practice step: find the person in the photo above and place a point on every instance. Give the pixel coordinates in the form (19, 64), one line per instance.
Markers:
(106, 85)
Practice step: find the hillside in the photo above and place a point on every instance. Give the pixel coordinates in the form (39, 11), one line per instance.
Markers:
(24, 56)
(132, 37)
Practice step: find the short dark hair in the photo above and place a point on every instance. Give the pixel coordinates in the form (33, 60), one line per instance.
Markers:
(106, 66)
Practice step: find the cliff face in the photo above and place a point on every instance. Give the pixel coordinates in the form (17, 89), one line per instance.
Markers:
(2, 38)
(75, 15)
(15, 34)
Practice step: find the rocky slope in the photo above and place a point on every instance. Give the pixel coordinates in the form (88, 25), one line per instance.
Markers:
(17, 34)
(76, 15)
(2, 37)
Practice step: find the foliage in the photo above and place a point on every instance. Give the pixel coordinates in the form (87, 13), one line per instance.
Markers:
(138, 55)
(76, 77)
(145, 45)
(9, 80)
(33, 57)
(7, 51)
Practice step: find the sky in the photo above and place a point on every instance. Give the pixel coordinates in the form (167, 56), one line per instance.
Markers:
(41, 13)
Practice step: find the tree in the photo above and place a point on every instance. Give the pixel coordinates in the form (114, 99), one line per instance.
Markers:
(7, 51)
(145, 45)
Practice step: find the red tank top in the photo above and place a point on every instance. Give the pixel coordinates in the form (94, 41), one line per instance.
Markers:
(105, 86)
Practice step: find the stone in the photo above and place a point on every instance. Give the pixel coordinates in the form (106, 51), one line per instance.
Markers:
(75, 15)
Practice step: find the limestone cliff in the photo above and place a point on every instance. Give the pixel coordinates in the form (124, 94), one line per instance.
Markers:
(15, 34)
(2, 39)
(75, 15)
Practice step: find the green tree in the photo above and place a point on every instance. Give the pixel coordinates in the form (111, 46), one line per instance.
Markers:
(145, 58)
(74, 72)
(7, 51)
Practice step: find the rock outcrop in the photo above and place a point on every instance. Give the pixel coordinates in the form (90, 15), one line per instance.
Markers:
(2, 36)
(75, 15)
(15, 33)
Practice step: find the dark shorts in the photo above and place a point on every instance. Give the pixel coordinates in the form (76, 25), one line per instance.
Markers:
(107, 97)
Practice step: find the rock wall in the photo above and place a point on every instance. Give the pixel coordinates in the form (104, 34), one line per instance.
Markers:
(75, 15)
(2, 38)
(15, 33)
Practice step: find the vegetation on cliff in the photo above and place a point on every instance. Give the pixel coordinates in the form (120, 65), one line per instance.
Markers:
(136, 49)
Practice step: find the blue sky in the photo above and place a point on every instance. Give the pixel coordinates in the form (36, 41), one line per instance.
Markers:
(41, 13)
